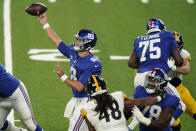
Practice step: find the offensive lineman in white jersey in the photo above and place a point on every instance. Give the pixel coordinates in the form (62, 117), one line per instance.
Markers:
(176, 75)
(106, 112)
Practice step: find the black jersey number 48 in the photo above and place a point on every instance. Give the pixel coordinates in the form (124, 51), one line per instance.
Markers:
(115, 113)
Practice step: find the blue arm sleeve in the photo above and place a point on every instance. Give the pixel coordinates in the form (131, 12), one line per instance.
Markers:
(64, 49)
(137, 92)
(173, 43)
(171, 101)
(135, 45)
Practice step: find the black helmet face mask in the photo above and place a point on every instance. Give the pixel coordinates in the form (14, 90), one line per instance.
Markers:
(96, 85)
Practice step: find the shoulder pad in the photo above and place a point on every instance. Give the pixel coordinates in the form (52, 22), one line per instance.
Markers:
(119, 93)
(185, 54)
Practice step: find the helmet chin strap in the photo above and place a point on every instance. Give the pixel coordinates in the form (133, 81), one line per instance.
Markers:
(99, 92)
(150, 91)
(77, 48)
(153, 30)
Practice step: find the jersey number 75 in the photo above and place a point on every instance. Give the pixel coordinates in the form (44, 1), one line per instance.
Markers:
(152, 48)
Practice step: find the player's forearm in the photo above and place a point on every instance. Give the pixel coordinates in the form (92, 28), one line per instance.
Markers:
(177, 57)
(90, 127)
(53, 36)
(74, 84)
(163, 120)
(158, 124)
(133, 65)
(145, 101)
(185, 69)
(133, 61)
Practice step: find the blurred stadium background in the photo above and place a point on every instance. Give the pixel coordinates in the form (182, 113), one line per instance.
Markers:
(116, 22)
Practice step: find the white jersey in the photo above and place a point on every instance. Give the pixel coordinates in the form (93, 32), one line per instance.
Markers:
(185, 55)
(116, 120)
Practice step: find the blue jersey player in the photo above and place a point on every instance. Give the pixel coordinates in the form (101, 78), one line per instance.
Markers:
(82, 65)
(158, 116)
(153, 51)
(13, 95)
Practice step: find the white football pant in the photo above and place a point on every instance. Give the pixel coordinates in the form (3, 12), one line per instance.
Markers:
(72, 111)
(20, 102)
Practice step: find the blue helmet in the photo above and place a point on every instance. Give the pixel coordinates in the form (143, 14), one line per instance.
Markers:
(155, 25)
(89, 38)
(155, 81)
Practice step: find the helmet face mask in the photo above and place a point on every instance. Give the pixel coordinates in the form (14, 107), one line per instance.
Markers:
(179, 40)
(155, 81)
(89, 39)
(155, 25)
(96, 85)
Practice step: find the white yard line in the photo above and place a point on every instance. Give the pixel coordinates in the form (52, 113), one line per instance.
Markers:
(145, 1)
(190, 1)
(115, 57)
(7, 44)
(97, 1)
(52, 1)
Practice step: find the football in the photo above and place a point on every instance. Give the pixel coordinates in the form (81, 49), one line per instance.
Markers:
(36, 9)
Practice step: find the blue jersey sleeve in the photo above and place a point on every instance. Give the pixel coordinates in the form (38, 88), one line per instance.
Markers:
(135, 45)
(64, 49)
(173, 43)
(171, 101)
(139, 92)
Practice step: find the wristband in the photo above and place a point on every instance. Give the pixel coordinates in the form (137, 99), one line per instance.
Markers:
(146, 121)
(174, 68)
(46, 26)
(159, 98)
(64, 77)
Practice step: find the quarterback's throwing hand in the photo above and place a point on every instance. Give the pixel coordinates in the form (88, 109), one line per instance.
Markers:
(42, 19)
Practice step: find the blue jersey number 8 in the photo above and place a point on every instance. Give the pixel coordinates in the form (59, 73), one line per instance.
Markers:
(154, 111)
(73, 73)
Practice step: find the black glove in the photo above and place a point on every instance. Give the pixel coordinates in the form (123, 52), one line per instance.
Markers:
(162, 93)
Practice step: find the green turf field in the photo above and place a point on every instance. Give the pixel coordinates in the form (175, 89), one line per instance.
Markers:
(116, 22)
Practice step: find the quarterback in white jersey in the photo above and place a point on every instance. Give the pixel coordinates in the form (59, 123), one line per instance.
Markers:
(106, 112)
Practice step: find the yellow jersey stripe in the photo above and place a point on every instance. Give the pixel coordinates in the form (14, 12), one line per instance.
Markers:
(124, 95)
(176, 35)
(96, 83)
(83, 112)
(188, 58)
